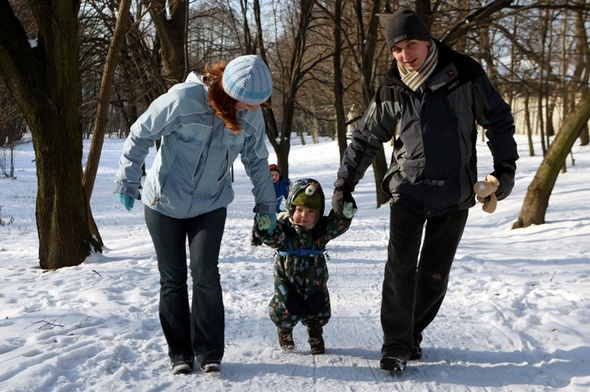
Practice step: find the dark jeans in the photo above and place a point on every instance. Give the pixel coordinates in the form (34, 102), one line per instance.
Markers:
(414, 289)
(200, 332)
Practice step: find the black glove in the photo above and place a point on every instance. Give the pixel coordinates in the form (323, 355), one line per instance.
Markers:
(342, 199)
(504, 172)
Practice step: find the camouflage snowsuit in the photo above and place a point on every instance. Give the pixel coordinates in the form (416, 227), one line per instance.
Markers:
(300, 281)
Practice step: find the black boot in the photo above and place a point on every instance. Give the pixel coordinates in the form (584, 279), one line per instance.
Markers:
(316, 341)
(394, 363)
(416, 354)
(286, 339)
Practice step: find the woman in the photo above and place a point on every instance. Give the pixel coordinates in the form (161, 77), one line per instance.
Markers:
(204, 123)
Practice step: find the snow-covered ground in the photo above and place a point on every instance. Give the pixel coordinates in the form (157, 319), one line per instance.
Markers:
(516, 317)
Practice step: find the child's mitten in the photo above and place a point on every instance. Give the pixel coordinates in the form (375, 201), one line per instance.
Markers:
(349, 210)
(266, 222)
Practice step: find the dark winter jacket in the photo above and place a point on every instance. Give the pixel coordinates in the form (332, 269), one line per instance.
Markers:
(434, 163)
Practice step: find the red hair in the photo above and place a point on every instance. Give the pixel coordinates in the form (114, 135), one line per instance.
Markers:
(223, 104)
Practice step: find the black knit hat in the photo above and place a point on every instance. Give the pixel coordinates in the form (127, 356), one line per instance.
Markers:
(405, 24)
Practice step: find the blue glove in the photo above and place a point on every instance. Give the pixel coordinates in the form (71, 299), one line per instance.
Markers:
(266, 221)
(126, 200)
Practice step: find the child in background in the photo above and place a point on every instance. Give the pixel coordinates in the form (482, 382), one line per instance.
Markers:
(282, 185)
(301, 272)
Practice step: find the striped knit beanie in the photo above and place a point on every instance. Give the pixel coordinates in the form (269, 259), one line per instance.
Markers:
(247, 79)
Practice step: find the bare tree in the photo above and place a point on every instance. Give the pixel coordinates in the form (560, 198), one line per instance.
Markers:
(102, 110)
(338, 77)
(170, 18)
(537, 197)
(12, 125)
(291, 66)
(367, 53)
(43, 78)
(578, 84)
(356, 37)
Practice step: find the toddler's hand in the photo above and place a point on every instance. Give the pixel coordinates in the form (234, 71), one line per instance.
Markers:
(349, 210)
(266, 221)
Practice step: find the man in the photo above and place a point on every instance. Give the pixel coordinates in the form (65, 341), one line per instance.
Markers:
(429, 106)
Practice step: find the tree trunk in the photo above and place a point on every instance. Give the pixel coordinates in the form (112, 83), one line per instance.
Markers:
(170, 20)
(293, 78)
(584, 136)
(61, 207)
(529, 128)
(338, 86)
(581, 71)
(367, 71)
(44, 81)
(538, 193)
(102, 112)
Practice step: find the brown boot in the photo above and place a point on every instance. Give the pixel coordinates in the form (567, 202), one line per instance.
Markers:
(316, 341)
(286, 339)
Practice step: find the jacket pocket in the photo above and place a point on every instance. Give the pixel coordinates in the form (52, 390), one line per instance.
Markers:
(414, 170)
(392, 179)
(394, 175)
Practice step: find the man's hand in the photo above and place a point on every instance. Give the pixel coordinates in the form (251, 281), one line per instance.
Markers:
(485, 191)
(504, 172)
(343, 203)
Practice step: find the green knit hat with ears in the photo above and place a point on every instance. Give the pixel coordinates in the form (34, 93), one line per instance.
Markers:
(307, 193)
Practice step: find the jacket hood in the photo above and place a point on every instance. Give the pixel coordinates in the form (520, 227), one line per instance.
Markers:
(194, 77)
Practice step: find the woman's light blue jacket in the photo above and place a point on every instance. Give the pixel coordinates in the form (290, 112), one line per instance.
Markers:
(190, 174)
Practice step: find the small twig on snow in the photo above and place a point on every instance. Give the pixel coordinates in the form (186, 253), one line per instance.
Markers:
(49, 324)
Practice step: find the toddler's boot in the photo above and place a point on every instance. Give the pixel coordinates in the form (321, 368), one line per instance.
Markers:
(316, 341)
(286, 339)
